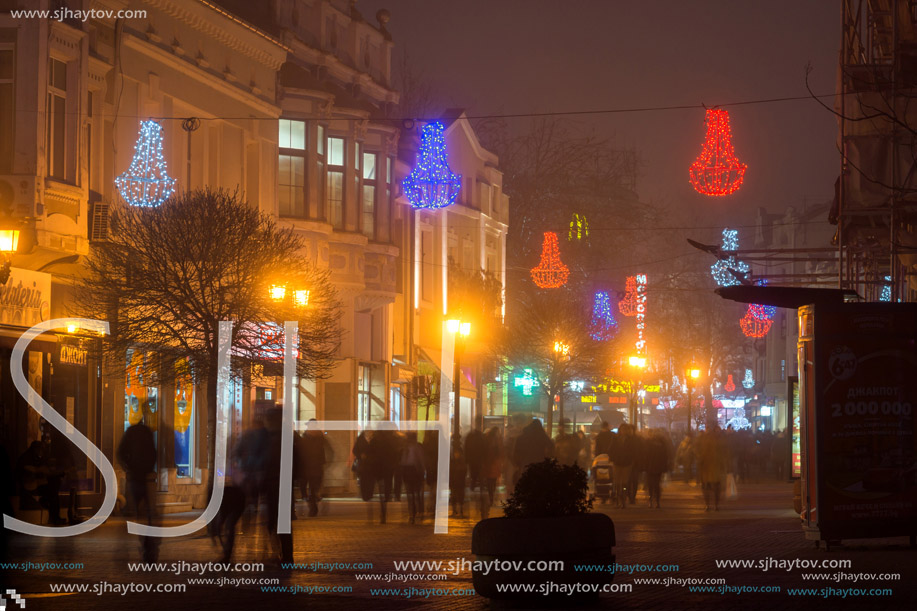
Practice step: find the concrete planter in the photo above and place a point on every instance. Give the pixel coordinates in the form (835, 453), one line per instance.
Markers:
(580, 539)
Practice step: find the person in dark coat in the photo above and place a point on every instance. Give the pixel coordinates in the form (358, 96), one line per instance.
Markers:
(273, 422)
(412, 472)
(361, 466)
(637, 469)
(567, 449)
(250, 454)
(382, 457)
(603, 440)
(137, 454)
(622, 459)
(533, 446)
(493, 462)
(656, 462)
(475, 450)
(314, 453)
(458, 467)
(431, 463)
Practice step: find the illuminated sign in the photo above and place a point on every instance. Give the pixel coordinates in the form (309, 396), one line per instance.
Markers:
(641, 313)
(588, 399)
(73, 355)
(528, 381)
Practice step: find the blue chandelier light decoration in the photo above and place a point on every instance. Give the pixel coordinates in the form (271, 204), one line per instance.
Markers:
(146, 183)
(604, 325)
(431, 184)
(721, 269)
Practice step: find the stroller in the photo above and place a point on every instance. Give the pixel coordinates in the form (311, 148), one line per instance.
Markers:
(601, 478)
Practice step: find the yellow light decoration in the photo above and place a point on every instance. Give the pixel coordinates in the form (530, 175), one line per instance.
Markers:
(278, 292)
(301, 298)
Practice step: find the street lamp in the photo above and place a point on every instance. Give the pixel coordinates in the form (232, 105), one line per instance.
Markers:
(562, 351)
(299, 297)
(9, 243)
(637, 362)
(460, 330)
(691, 376)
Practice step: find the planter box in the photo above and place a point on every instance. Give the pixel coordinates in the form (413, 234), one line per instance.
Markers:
(581, 539)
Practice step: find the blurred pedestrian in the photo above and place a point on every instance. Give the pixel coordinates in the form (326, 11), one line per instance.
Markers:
(137, 454)
(457, 475)
(412, 473)
(315, 453)
(250, 456)
(474, 457)
(656, 462)
(493, 462)
(712, 464)
(532, 446)
(603, 439)
(383, 460)
(431, 463)
(621, 455)
(273, 422)
(585, 452)
(567, 449)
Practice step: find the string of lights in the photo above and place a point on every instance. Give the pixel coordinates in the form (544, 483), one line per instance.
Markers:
(717, 172)
(146, 182)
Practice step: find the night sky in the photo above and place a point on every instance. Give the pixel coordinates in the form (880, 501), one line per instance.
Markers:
(515, 56)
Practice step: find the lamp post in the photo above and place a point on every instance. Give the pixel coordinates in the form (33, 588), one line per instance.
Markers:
(638, 363)
(460, 330)
(691, 376)
(561, 351)
(9, 243)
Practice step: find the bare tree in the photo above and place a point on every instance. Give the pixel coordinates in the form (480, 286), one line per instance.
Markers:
(550, 333)
(169, 275)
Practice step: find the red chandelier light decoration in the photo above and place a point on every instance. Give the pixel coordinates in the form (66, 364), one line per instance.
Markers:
(550, 273)
(717, 171)
(730, 385)
(755, 323)
(628, 305)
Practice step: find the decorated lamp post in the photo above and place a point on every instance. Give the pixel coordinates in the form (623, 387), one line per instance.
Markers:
(146, 183)
(691, 376)
(638, 364)
(461, 330)
(717, 171)
(9, 243)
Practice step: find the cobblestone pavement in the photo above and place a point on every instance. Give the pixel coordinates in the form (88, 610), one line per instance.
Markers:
(760, 525)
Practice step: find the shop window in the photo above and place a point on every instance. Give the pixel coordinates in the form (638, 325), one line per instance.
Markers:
(183, 417)
(141, 395)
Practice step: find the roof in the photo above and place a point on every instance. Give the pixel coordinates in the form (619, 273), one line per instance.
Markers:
(785, 296)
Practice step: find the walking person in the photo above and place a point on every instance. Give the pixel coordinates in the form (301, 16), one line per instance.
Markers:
(383, 460)
(475, 449)
(457, 474)
(431, 463)
(363, 470)
(137, 454)
(712, 463)
(412, 472)
(250, 456)
(315, 453)
(273, 422)
(621, 455)
(656, 462)
(533, 446)
(493, 462)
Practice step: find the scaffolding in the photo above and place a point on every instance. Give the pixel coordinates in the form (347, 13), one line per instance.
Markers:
(875, 207)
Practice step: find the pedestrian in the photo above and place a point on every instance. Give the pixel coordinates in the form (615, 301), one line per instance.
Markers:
(137, 454)
(656, 463)
(493, 462)
(431, 463)
(585, 452)
(685, 456)
(457, 471)
(621, 455)
(712, 463)
(533, 446)
(475, 448)
(383, 459)
(603, 439)
(362, 469)
(315, 453)
(399, 440)
(224, 524)
(567, 449)
(637, 468)
(250, 454)
(412, 473)
(283, 542)
(510, 468)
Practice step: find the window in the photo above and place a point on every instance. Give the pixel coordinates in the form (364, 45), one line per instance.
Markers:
(183, 419)
(396, 400)
(334, 187)
(369, 195)
(57, 122)
(7, 114)
(292, 167)
(364, 394)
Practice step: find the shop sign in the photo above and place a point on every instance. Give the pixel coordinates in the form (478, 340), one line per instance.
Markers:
(73, 355)
(25, 300)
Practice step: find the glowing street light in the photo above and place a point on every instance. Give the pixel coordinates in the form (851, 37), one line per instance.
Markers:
(460, 330)
(9, 243)
(278, 292)
(692, 374)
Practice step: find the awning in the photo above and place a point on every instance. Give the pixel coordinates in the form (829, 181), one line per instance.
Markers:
(785, 296)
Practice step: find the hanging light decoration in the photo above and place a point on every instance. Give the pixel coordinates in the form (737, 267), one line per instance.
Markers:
(730, 385)
(717, 171)
(755, 323)
(749, 380)
(431, 184)
(723, 269)
(604, 325)
(579, 228)
(628, 305)
(146, 183)
(769, 310)
(550, 273)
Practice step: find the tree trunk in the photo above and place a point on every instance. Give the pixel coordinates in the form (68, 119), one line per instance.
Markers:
(560, 412)
(549, 420)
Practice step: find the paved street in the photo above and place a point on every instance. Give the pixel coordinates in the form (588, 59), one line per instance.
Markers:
(681, 533)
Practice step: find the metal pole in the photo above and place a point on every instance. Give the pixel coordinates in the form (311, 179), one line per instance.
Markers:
(457, 389)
